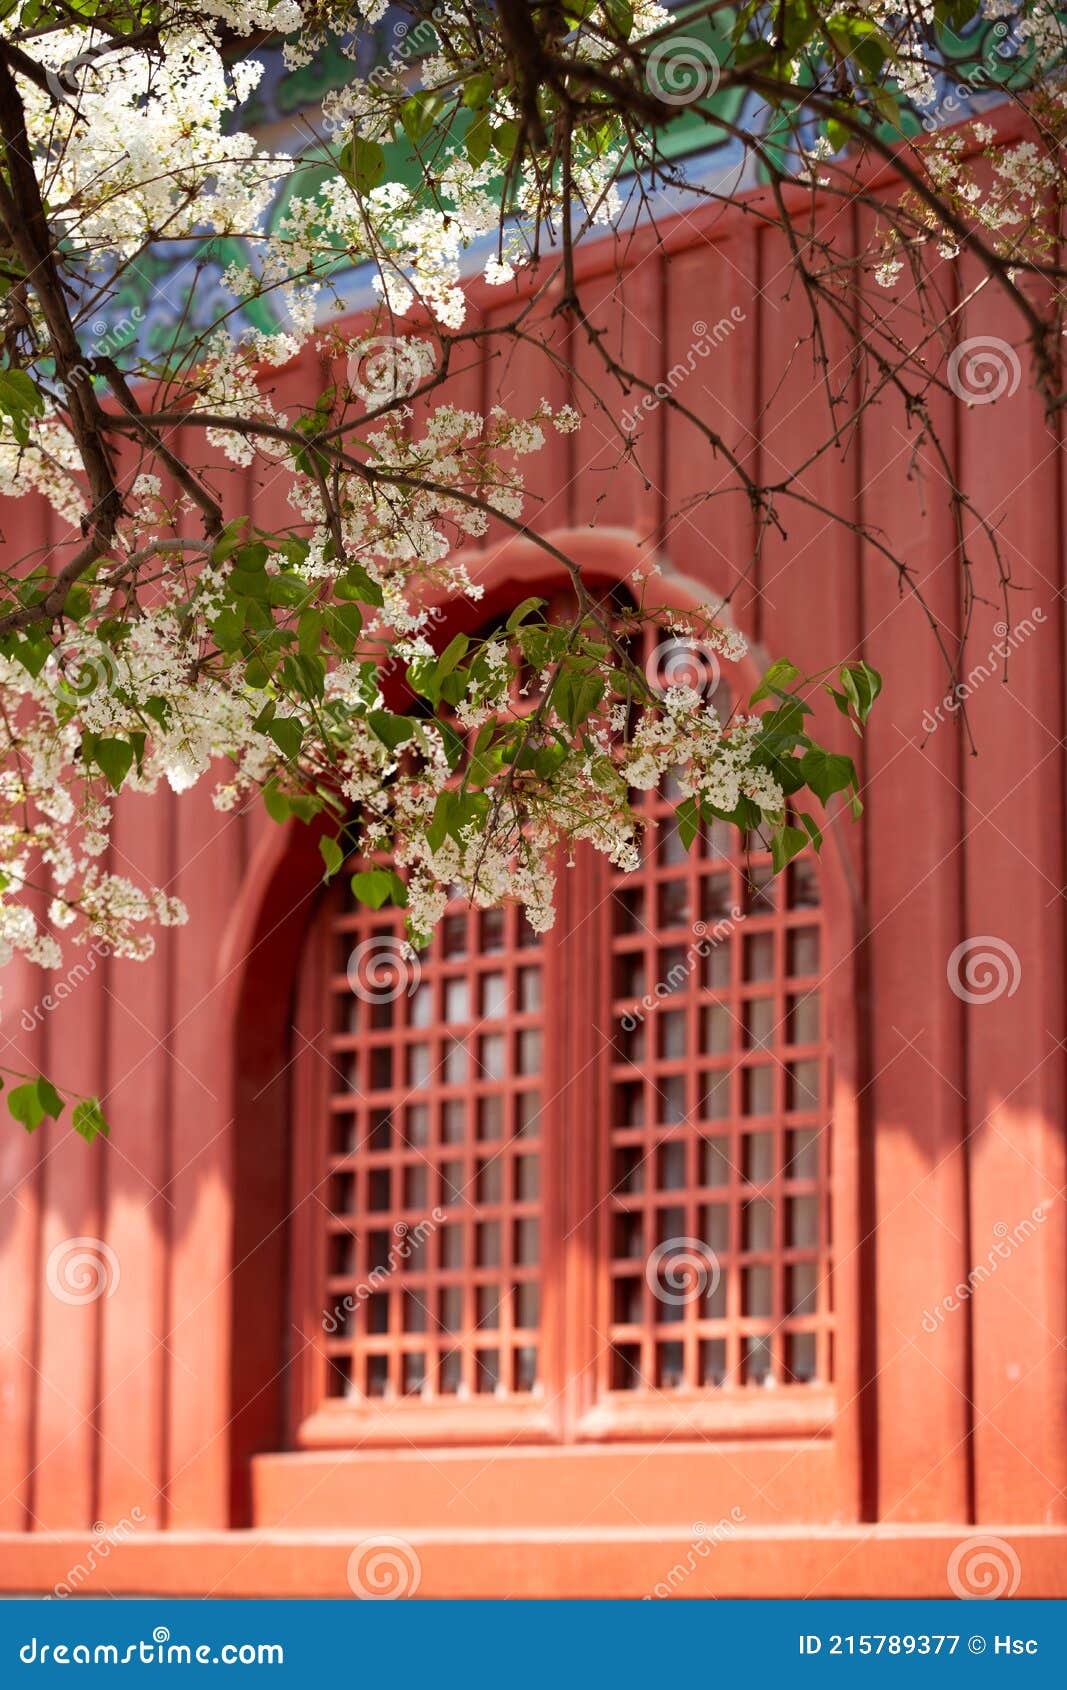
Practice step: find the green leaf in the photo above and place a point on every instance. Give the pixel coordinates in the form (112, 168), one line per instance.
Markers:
(778, 679)
(78, 602)
(332, 855)
(252, 559)
(344, 624)
(309, 632)
(230, 539)
(621, 14)
(33, 654)
(115, 758)
(813, 829)
(505, 138)
(355, 583)
(861, 684)
(362, 163)
(288, 735)
(277, 803)
(305, 674)
(454, 652)
(477, 89)
(418, 114)
(19, 400)
(688, 816)
(391, 730)
(228, 627)
(956, 14)
(522, 611)
(375, 885)
(837, 135)
(31, 1102)
(825, 772)
(88, 1120)
(576, 695)
(454, 743)
(478, 140)
(786, 842)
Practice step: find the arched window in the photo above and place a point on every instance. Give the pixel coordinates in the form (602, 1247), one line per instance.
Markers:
(572, 1185)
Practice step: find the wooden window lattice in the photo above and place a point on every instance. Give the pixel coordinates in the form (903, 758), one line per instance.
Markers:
(443, 1237)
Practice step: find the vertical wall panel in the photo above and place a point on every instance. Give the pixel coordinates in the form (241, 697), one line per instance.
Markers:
(209, 853)
(916, 1025)
(78, 1275)
(132, 1410)
(625, 309)
(74, 1272)
(1015, 1070)
(810, 610)
(711, 366)
(21, 1040)
(809, 584)
(516, 375)
(24, 529)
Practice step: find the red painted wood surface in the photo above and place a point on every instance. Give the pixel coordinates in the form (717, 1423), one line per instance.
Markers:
(150, 1402)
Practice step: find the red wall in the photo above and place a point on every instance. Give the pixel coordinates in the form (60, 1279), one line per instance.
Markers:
(129, 1402)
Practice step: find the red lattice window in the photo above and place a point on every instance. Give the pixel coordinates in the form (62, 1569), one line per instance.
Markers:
(433, 1198)
(717, 1229)
(574, 1184)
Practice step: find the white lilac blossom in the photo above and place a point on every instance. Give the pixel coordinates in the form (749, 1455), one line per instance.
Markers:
(191, 650)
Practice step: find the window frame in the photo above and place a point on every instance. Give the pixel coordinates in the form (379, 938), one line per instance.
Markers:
(575, 1171)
